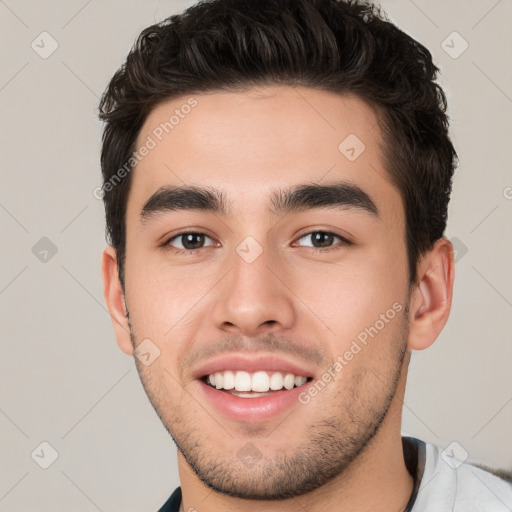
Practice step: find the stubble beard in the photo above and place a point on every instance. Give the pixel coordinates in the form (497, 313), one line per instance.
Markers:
(330, 446)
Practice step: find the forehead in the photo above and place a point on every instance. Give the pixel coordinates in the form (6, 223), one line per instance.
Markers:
(249, 143)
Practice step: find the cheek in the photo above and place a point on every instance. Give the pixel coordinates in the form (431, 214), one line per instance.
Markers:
(349, 297)
(164, 300)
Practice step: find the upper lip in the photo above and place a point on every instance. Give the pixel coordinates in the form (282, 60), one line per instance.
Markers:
(251, 363)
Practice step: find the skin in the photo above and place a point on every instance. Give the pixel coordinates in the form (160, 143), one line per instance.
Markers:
(342, 450)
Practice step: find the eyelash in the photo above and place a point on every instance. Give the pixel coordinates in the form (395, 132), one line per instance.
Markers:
(315, 250)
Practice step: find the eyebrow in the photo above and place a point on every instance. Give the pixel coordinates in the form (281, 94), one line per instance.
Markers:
(332, 195)
(301, 197)
(175, 198)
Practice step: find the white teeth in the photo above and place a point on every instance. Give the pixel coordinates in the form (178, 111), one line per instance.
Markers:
(289, 381)
(243, 381)
(259, 381)
(218, 380)
(228, 380)
(276, 381)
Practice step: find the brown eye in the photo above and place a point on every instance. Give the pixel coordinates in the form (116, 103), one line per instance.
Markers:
(189, 241)
(321, 239)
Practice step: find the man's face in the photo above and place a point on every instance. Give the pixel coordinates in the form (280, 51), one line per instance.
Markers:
(279, 283)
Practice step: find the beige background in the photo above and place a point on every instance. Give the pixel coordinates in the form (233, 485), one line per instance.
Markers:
(65, 382)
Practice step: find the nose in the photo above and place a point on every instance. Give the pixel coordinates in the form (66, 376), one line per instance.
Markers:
(253, 298)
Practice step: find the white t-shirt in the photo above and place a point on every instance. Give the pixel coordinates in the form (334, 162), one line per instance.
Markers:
(446, 483)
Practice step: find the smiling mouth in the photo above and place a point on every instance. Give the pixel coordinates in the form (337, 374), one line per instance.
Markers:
(253, 384)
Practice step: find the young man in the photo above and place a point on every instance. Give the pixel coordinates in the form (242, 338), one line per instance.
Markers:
(276, 181)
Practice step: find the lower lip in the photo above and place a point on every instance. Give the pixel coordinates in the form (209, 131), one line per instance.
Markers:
(251, 409)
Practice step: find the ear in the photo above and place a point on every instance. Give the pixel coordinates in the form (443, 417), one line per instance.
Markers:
(114, 297)
(431, 298)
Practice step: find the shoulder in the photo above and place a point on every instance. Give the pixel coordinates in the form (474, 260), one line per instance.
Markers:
(482, 489)
(453, 484)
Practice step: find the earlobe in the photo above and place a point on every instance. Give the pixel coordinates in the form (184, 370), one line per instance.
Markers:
(115, 300)
(431, 298)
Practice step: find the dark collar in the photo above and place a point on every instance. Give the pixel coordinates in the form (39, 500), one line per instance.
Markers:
(414, 456)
